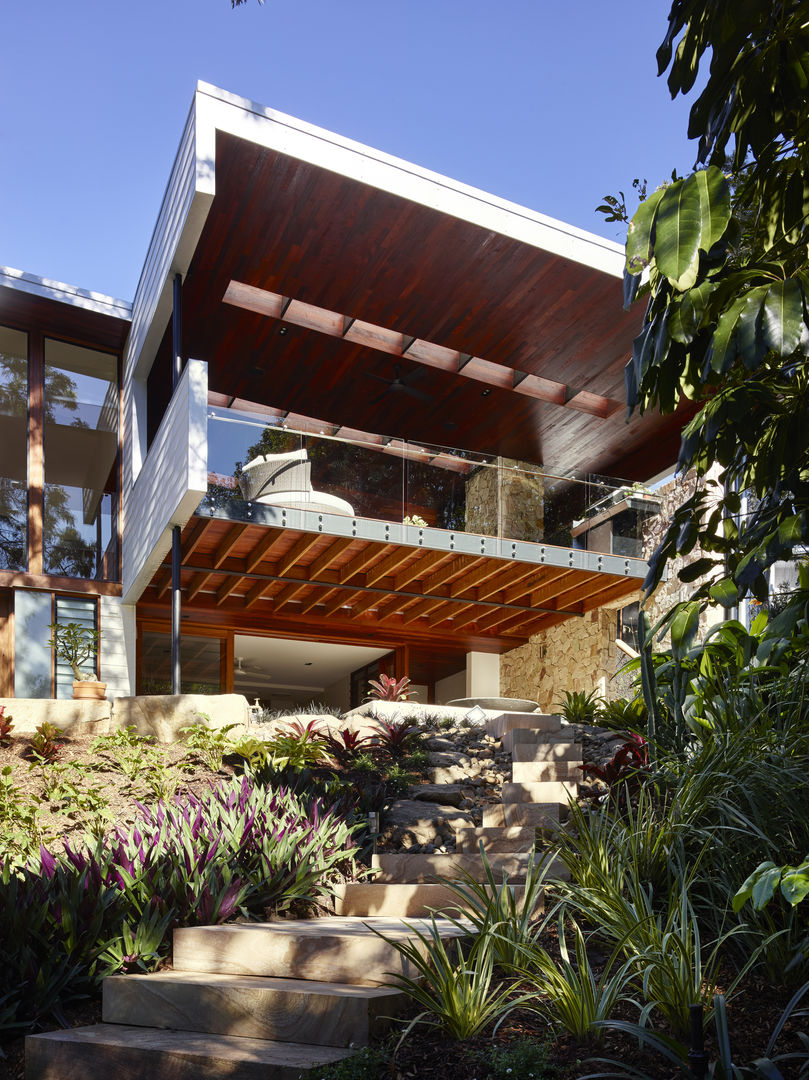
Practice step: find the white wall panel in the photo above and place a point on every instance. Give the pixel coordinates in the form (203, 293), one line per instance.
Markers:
(171, 483)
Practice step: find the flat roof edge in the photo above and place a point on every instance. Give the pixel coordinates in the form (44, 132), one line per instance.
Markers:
(65, 294)
(549, 233)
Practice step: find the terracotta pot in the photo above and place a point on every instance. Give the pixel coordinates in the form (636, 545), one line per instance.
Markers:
(89, 690)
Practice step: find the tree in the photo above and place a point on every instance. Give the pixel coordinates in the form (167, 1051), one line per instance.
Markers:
(724, 264)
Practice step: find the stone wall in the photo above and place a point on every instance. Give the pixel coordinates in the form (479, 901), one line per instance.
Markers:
(506, 500)
(581, 654)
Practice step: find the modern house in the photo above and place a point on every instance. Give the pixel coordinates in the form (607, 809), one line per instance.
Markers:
(358, 417)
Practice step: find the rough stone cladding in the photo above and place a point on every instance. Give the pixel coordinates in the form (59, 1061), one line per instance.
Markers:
(506, 500)
(581, 654)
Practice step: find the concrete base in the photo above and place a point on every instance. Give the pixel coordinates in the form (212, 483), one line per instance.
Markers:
(505, 722)
(162, 715)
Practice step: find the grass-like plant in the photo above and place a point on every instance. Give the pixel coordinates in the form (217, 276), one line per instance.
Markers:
(570, 993)
(507, 915)
(454, 986)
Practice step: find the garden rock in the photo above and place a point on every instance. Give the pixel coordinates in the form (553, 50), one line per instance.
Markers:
(443, 794)
(417, 822)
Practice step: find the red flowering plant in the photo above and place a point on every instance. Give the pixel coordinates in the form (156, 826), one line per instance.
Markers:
(626, 769)
(389, 688)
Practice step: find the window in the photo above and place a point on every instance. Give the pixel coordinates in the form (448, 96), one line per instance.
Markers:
(627, 629)
(201, 660)
(14, 456)
(84, 611)
(81, 462)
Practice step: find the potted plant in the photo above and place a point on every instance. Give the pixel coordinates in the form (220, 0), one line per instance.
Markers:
(76, 644)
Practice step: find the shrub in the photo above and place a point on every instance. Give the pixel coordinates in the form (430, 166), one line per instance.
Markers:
(578, 707)
(6, 724)
(45, 742)
(397, 739)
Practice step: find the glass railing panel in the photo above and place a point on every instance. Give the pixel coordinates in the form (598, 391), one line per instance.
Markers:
(256, 458)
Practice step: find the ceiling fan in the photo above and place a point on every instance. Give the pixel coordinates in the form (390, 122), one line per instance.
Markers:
(399, 383)
(251, 674)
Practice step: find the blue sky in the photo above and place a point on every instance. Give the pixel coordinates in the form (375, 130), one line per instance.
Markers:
(551, 105)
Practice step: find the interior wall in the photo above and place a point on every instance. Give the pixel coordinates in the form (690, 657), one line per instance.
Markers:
(338, 694)
(451, 688)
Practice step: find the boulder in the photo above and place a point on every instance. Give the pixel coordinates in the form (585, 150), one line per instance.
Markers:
(73, 717)
(443, 794)
(163, 715)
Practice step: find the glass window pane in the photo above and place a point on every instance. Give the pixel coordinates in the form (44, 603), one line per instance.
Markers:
(14, 452)
(81, 462)
(199, 658)
(74, 609)
(32, 655)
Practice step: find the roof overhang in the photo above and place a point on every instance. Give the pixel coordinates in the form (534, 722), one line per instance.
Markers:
(275, 205)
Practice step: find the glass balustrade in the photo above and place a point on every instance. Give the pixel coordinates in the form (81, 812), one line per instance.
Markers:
(259, 458)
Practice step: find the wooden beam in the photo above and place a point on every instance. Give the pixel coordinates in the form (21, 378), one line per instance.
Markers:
(197, 585)
(304, 543)
(289, 592)
(461, 565)
(192, 541)
(256, 592)
(162, 583)
(343, 597)
(424, 565)
(228, 544)
(388, 565)
(227, 588)
(330, 555)
(360, 562)
(315, 599)
(423, 607)
(263, 549)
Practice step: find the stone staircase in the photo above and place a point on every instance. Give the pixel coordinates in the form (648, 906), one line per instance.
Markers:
(266, 1001)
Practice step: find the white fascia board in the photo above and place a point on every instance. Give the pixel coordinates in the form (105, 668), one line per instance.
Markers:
(277, 131)
(65, 294)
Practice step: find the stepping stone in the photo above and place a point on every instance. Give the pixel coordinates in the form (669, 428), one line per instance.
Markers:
(541, 751)
(410, 901)
(535, 814)
(544, 816)
(417, 868)
(250, 1006)
(134, 1053)
(529, 772)
(498, 726)
(544, 791)
(343, 950)
(513, 840)
(531, 735)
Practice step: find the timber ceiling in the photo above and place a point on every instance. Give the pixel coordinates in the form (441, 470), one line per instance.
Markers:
(249, 576)
(282, 225)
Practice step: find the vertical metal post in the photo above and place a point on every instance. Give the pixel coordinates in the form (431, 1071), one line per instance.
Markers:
(176, 549)
(176, 610)
(697, 1058)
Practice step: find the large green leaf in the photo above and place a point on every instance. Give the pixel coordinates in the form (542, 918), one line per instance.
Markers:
(714, 197)
(678, 229)
(639, 236)
(738, 332)
(684, 628)
(783, 317)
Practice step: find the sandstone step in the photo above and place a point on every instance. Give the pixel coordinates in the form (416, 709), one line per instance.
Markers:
(468, 841)
(546, 722)
(250, 1006)
(530, 772)
(535, 737)
(398, 868)
(135, 1053)
(418, 900)
(410, 901)
(535, 814)
(545, 816)
(544, 791)
(341, 950)
(544, 751)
